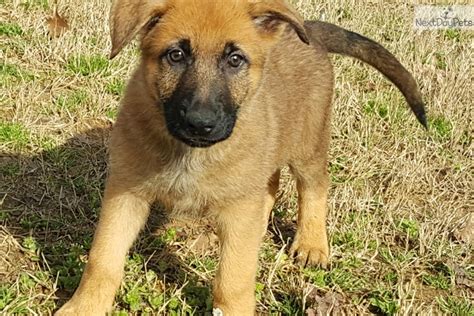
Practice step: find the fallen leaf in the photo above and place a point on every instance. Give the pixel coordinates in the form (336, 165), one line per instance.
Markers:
(203, 242)
(465, 233)
(57, 25)
(328, 304)
(462, 278)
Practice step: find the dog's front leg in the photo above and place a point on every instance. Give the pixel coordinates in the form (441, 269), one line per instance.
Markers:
(122, 216)
(240, 230)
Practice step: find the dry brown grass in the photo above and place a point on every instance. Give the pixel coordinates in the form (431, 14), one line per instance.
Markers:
(400, 196)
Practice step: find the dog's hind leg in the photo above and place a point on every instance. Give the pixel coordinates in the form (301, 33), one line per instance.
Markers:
(310, 245)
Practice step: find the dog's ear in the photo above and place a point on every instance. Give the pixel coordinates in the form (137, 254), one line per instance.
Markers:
(128, 17)
(269, 15)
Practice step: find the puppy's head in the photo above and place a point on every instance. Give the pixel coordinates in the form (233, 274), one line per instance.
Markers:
(203, 58)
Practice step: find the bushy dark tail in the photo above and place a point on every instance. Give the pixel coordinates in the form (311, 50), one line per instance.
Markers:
(340, 41)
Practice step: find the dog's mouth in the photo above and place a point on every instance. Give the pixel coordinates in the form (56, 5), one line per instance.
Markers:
(198, 142)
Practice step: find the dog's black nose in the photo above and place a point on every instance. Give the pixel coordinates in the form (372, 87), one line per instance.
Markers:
(201, 122)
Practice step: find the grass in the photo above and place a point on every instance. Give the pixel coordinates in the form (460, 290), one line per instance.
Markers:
(72, 101)
(85, 65)
(398, 196)
(12, 74)
(10, 29)
(14, 135)
(35, 4)
(456, 306)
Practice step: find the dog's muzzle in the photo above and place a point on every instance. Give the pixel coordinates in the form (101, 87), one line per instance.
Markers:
(201, 127)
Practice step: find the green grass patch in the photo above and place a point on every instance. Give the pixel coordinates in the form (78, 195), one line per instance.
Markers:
(115, 87)
(348, 240)
(440, 60)
(4, 214)
(7, 294)
(438, 281)
(143, 292)
(409, 228)
(287, 304)
(69, 270)
(442, 127)
(26, 282)
(346, 280)
(163, 239)
(12, 74)
(458, 306)
(452, 34)
(396, 255)
(72, 101)
(345, 275)
(46, 143)
(440, 276)
(199, 297)
(134, 298)
(391, 278)
(390, 107)
(111, 113)
(383, 302)
(31, 248)
(204, 264)
(373, 107)
(317, 277)
(10, 29)
(35, 4)
(14, 135)
(88, 65)
(30, 244)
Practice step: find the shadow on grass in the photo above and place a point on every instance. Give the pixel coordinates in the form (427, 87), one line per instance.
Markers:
(54, 199)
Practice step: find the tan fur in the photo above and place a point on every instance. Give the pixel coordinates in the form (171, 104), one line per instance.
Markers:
(283, 120)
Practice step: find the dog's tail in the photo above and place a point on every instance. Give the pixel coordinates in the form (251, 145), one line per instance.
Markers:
(340, 41)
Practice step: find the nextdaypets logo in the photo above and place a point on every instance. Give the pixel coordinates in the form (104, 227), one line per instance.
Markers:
(448, 13)
(429, 17)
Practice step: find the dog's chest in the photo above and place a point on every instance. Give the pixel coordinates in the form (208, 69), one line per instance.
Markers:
(184, 186)
(195, 184)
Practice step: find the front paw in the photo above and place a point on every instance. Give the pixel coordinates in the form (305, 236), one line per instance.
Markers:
(310, 252)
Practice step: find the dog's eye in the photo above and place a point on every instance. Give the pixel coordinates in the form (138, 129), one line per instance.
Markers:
(176, 56)
(236, 60)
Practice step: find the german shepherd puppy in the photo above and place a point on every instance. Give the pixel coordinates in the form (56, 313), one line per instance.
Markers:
(226, 94)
